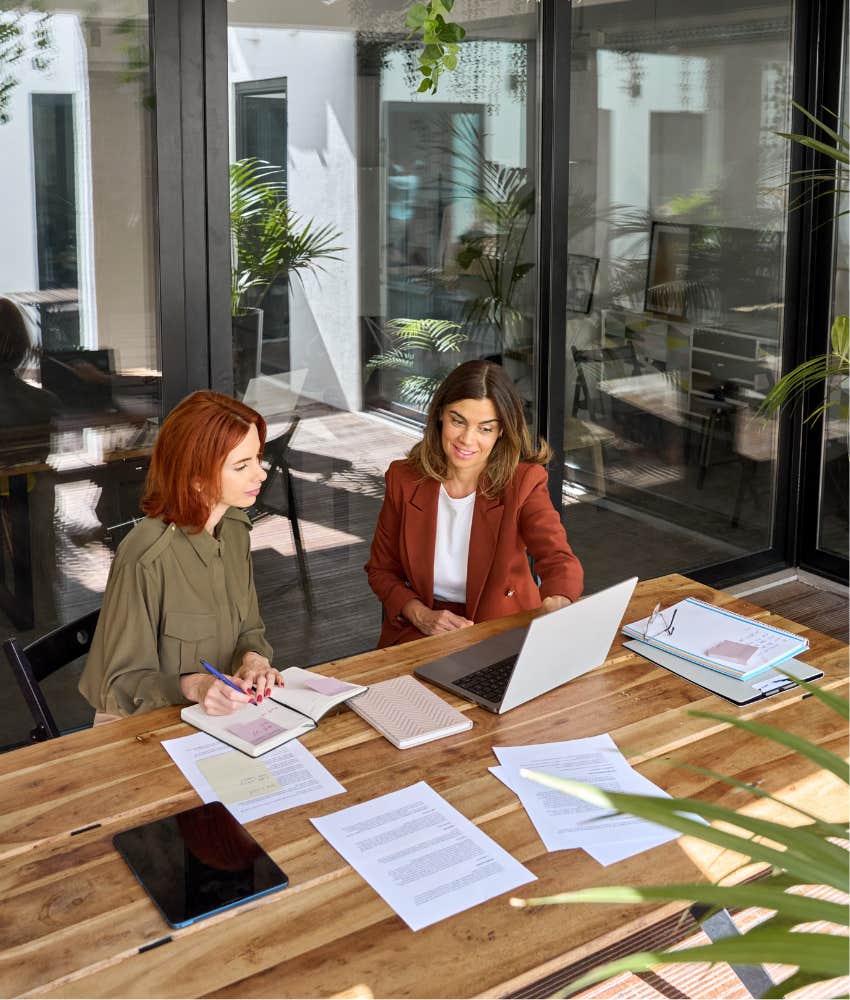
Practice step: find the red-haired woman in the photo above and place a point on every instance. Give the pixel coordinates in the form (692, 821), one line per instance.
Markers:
(462, 513)
(181, 587)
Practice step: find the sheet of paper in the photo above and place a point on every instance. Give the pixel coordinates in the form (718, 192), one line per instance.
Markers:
(250, 788)
(563, 819)
(421, 856)
(604, 854)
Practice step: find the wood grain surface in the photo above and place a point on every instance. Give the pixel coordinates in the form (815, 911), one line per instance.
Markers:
(74, 918)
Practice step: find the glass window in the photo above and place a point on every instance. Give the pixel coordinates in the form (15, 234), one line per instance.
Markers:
(401, 231)
(675, 281)
(833, 500)
(80, 389)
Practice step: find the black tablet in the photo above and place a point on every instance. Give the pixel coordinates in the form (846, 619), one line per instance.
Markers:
(198, 862)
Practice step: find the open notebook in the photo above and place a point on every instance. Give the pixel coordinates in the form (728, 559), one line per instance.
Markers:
(289, 711)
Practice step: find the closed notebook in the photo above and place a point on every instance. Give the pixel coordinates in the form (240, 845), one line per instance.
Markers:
(288, 712)
(407, 713)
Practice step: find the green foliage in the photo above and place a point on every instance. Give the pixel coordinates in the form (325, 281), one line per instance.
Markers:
(441, 40)
(14, 45)
(800, 855)
(813, 374)
(412, 341)
(269, 239)
(504, 204)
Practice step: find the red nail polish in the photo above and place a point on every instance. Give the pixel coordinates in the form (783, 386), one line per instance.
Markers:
(259, 698)
(268, 692)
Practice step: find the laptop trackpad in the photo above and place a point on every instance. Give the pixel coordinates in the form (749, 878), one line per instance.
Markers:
(449, 668)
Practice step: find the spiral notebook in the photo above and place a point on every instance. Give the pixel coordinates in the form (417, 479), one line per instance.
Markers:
(407, 713)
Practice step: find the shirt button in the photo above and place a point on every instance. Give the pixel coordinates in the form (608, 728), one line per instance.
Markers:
(509, 593)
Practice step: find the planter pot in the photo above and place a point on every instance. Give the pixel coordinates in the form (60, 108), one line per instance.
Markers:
(247, 349)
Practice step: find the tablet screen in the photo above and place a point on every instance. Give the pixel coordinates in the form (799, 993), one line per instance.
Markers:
(198, 862)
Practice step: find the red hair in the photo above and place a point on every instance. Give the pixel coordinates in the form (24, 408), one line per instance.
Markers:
(184, 478)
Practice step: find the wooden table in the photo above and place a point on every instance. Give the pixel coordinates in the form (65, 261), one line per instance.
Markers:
(74, 922)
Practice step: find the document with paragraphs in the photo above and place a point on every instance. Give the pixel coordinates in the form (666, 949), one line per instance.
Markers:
(422, 857)
(285, 778)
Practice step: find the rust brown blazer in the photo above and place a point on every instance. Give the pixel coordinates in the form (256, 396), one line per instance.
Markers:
(504, 530)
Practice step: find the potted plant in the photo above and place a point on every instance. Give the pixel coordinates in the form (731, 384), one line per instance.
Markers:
(270, 242)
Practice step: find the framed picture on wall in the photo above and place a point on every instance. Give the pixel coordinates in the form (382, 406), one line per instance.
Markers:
(581, 277)
(667, 276)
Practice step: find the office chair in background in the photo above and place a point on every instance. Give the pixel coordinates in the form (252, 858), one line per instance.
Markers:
(34, 663)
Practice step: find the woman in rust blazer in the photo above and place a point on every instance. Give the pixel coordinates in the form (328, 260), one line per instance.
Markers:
(462, 513)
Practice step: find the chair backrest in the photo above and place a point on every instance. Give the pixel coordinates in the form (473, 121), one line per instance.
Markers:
(275, 492)
(33, 663)
(600, 363)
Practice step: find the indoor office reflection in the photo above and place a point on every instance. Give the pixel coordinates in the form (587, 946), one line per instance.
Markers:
(676, 266)
(78, 352)
(406, 245)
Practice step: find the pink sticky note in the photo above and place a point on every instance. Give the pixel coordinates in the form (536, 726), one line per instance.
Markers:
(255, 731)
(735, 652)
(327, 685)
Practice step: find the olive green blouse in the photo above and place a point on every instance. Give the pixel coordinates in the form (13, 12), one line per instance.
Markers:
(172, 599)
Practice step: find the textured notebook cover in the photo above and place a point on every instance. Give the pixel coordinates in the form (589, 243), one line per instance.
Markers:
(407, 713)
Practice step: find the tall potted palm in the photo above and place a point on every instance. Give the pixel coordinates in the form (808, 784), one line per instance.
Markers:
(269, 242)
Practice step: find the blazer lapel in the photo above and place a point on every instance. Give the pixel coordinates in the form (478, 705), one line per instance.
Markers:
(420, 537)
(486, 521)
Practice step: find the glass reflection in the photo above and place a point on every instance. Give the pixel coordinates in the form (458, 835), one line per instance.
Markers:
(409, 224)
(78, 353)
(675, 284)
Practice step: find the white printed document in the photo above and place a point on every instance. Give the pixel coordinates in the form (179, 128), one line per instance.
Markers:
(252, 787)
(564, 821)
(421, 856)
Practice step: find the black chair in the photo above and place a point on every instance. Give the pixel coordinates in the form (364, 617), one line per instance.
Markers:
(277, 496)
(32, 664)
(596, 360)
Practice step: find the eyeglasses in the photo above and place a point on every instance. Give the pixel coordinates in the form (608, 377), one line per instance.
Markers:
(659, 622)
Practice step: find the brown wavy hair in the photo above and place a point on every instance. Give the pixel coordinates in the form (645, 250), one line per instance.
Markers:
(480, 380)
(184, 478)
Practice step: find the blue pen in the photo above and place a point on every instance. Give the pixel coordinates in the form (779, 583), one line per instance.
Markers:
(211, 669)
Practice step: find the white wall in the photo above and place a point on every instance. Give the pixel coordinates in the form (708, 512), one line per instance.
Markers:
(320, 71)
(112, 160)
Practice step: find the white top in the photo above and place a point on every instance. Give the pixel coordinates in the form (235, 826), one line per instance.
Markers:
(451, 553)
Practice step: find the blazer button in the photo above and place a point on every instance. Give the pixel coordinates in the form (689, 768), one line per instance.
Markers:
(509, 593)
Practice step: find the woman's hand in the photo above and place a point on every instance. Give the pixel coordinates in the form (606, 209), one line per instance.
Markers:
(553, 603)
(433, 622)
(259, 674)
(214, 696)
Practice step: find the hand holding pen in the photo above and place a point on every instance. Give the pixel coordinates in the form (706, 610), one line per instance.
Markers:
(222, 694)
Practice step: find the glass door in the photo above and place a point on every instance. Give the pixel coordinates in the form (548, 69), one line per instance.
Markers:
(401, 227)
(675, 282)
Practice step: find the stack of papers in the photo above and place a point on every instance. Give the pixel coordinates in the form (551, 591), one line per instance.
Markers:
(719, 639)
(565, 822)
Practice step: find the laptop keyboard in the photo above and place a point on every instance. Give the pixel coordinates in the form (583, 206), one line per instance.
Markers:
(489, 682)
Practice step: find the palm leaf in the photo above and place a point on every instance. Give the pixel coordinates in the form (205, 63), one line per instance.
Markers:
(823, 956)
(792, 906)
(826, 863)
(811, 751)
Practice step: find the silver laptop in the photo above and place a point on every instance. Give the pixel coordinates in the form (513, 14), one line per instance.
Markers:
(513, 667)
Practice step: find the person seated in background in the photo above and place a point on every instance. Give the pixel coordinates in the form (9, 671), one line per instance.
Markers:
(462, 513)
(27, 412)
(181, 587)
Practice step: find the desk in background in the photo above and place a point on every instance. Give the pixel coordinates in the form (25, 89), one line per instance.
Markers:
(74, 918)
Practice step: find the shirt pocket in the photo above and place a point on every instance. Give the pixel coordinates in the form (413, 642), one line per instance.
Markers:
(183, 635)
